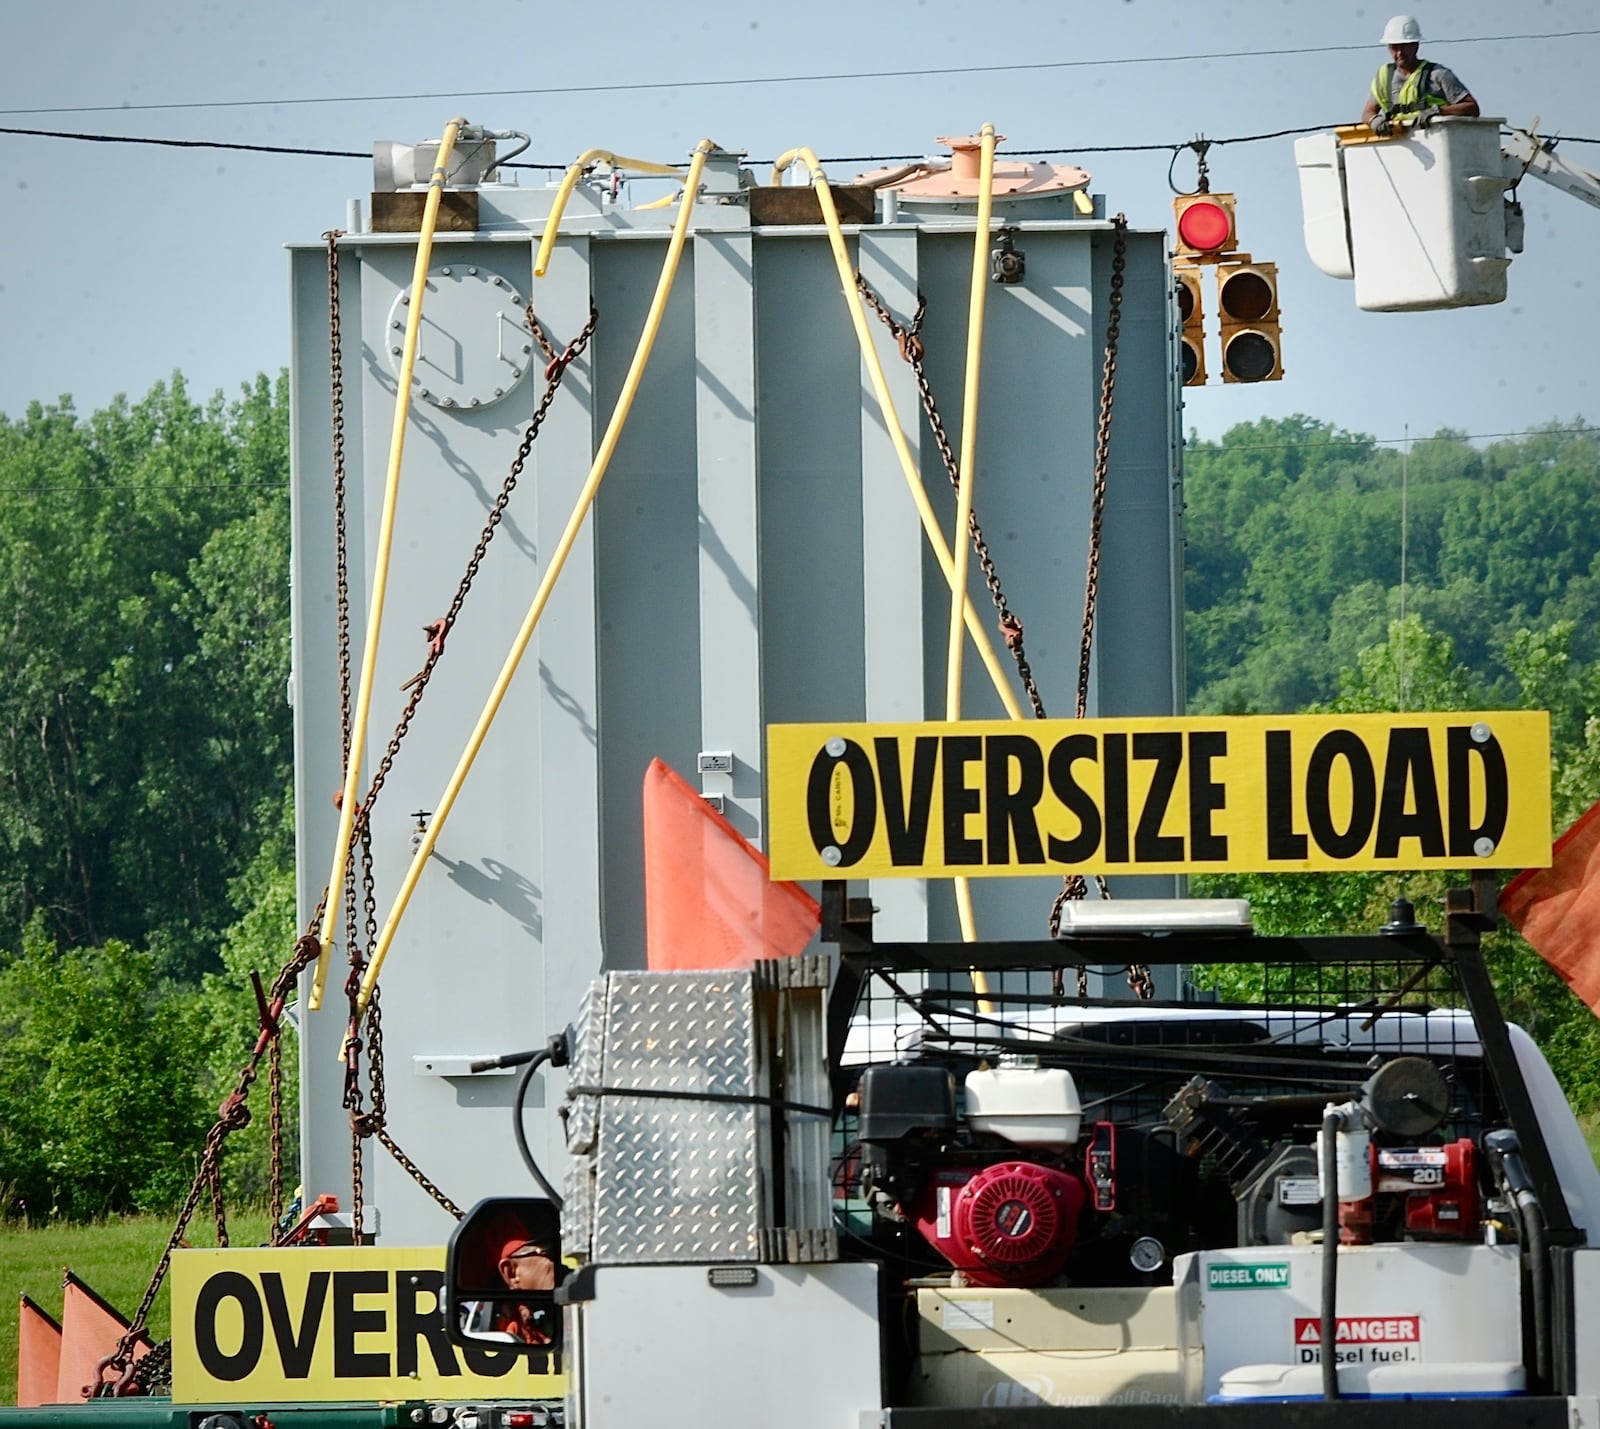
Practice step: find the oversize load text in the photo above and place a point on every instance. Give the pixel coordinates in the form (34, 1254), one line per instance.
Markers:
(331, 1324)
(1256, 794)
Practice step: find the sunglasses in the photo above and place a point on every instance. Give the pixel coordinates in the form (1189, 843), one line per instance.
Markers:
(528, 1250)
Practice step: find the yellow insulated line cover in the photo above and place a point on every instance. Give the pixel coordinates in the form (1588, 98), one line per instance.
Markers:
(1257, 794)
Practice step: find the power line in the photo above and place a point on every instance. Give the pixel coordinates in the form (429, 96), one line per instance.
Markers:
(1055, 150)
(965, 71)
(203, 144)
(1360, 442)
(555, 167)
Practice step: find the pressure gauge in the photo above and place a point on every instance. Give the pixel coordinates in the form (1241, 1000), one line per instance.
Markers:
(1147, 1255)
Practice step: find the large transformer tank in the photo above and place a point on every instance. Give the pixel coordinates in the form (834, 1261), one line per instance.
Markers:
(753, 557)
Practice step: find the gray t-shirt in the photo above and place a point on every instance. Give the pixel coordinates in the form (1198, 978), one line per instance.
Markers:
(1437, 81)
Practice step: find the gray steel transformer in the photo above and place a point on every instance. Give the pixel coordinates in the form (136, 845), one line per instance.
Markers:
(753, 557)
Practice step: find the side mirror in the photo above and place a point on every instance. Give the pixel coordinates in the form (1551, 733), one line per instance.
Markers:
(502, 1267)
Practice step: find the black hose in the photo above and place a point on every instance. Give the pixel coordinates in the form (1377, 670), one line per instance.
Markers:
(523, 1083)
(1331, 1124)
(1539, 1261)
(1505, 1154)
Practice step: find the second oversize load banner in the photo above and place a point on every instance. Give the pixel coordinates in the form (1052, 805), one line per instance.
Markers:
(1242, 794)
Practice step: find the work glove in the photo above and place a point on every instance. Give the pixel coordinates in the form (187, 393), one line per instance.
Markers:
(1422, 119)
(1379, 123)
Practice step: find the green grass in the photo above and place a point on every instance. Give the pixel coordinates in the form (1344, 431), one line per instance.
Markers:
(115, 1258)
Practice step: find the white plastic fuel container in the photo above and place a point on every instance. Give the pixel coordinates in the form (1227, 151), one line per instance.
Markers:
(1391, 1381)
(1027, 1104)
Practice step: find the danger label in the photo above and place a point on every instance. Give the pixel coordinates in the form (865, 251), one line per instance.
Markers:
(330, 1325)
(1361, 1339)
(1241, 794)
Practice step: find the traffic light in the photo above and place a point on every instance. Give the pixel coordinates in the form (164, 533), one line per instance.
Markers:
(1205, 226)
(1247, 304)
(1191, 317)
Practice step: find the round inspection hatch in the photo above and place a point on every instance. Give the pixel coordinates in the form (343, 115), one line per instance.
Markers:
(474, 346)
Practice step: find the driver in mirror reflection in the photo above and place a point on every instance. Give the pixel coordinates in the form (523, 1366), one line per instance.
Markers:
(523, 1264)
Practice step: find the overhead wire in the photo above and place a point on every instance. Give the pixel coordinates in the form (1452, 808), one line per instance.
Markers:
(1360, 441)
(1055, 150)
(827, 77)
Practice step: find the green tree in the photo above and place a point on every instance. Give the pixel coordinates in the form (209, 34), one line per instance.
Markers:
(143, 568)
(1416, 669)
(258, 942)
(1295, 533)
(100, 1108)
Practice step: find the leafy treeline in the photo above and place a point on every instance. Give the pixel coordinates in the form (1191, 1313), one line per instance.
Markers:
(1295, 602)
(1294, 554)
(145, 753)
(144, 736)
(145, 778)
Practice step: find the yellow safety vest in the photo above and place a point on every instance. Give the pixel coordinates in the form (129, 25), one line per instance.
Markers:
(1410, 97)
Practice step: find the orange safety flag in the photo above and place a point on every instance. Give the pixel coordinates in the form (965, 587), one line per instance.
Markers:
(1557, 909)
(38, 1356)
(90, 1330)
(709, 899)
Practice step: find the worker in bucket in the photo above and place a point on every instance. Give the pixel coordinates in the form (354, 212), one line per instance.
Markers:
(1411, 92)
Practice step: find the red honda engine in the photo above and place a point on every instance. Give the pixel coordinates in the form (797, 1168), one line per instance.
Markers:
(1013, 1223)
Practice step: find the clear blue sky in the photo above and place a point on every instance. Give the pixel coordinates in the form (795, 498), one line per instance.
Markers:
(124, 263)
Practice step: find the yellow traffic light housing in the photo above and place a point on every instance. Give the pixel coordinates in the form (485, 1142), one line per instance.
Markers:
(1205, 227)
(1191, 319)
(1247, 305)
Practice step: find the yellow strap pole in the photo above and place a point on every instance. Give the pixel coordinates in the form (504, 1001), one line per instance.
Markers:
(880, 386)
(569, 181)
(961, 544)
(558, 560)
(380, 575)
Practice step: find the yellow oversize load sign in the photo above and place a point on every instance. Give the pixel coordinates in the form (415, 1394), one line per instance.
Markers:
(1275, 794)
(330, 1325)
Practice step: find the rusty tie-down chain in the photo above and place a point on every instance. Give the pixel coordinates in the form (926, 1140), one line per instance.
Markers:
(438, 630)
(233, 1115)
(1073, 885)
(352, 1101)
(380, 1115)
(909, 340)
(153, 1374)
(275, 1134)
(342, 582)
(214, 1186)
(371, 1123)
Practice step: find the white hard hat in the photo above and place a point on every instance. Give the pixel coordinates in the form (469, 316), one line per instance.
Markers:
(1402, 30)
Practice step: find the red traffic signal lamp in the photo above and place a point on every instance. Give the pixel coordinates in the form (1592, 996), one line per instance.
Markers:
(1247, 304)
(1191, 318)
(1205, 225)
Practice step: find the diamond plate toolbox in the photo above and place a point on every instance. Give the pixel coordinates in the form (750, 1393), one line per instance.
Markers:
(678, 1178)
